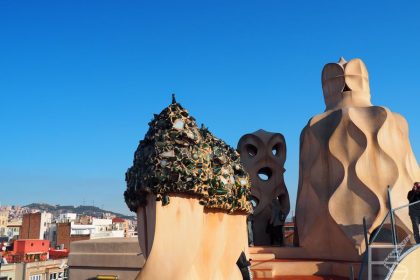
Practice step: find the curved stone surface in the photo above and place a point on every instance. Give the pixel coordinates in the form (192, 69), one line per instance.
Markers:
(408, 267)
(186, 242)
(265, 152)
(349, 155)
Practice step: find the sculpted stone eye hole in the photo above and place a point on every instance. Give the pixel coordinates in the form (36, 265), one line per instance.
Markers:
(265, 173)
(276, 149)
(251, 150)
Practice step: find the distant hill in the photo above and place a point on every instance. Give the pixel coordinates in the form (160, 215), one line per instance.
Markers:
(80, 210)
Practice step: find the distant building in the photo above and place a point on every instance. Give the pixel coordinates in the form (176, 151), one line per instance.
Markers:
(132, 228)
(29, 261)
(85, 220)
(67, 217)
(289, 233)
(4, 217)
(43, 270)
(77, 229)
(35, 225)
(29, 250)
(55, 254)
(120, 224)
(104, 229)
(12, 271)
(108, 234)
(62, 234)
(13, 229)
(47, 270)
(108, 216)
(102, 224)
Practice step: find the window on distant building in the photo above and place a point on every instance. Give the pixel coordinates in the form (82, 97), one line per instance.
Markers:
(35, 277)
(57, 276)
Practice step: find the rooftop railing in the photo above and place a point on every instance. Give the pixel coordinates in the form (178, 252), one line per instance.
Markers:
(387, 236)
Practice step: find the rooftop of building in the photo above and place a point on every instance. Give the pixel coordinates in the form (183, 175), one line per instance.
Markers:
(118, 220)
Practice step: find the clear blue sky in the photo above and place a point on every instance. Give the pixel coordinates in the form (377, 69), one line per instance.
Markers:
(80, 80)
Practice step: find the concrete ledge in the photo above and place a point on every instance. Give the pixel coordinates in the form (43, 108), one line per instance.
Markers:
(291, 261)
(109, 256)
(295, 253)
(282, 252)
(278, 268)
(117, 260)
(123, 245)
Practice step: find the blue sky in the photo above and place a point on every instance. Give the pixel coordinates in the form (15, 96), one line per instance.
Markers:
(80, 80)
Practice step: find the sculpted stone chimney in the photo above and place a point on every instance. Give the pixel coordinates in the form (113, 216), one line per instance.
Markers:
(191, 195)
(349, 156)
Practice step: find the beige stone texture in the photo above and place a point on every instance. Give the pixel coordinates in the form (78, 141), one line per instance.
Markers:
(265, 152)
(184, 241)
(349, 156)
